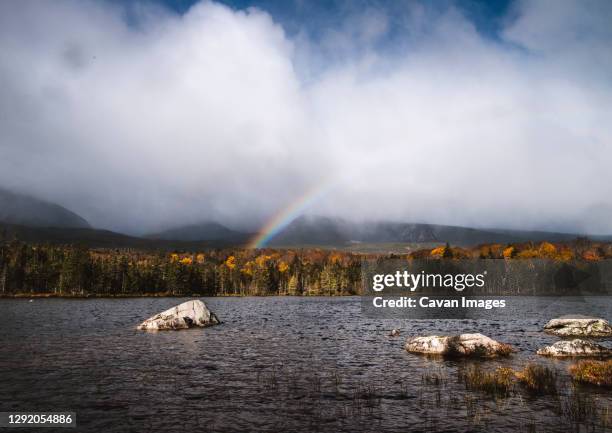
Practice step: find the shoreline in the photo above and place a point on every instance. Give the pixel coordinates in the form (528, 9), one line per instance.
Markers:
(272, 295)
(156, 295)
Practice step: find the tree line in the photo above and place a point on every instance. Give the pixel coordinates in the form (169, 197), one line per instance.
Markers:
(73, 270)
(76, 270)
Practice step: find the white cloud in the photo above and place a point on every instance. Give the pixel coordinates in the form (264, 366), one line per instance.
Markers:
(219, 114)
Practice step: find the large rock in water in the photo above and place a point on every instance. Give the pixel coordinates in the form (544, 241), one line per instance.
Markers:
(576, 347)
(468, 345)
(579, 326)
(183, 316)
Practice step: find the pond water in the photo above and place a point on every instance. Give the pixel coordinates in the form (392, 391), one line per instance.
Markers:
(275, 364)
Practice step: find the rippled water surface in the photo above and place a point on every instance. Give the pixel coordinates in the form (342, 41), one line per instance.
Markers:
(275, 364)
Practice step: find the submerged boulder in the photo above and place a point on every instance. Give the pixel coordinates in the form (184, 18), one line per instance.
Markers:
(579, 326)
(467, 345)
(576, 347)
(186, 315)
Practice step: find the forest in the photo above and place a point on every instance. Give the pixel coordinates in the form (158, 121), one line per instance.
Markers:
(73, 270)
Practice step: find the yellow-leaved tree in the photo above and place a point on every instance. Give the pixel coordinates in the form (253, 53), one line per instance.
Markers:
(547, 250)
(437, 252)
(230, 262)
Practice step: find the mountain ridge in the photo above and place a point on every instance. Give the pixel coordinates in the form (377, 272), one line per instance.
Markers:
(323, 230)
(98, 238)
(21, 209)
(204, 231)
(30, 219)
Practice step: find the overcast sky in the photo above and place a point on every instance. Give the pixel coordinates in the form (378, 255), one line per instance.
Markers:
(146, 116)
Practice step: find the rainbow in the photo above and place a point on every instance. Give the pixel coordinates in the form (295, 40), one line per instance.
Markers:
(287, 215)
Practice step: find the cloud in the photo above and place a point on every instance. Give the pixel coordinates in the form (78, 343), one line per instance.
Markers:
(164, 119)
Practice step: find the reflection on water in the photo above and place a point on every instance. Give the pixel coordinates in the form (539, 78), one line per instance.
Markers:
(295, 364)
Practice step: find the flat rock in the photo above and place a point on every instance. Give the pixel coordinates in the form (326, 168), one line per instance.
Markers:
(576, 347)
(464, 345)
(186, 315)
(579, 326)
